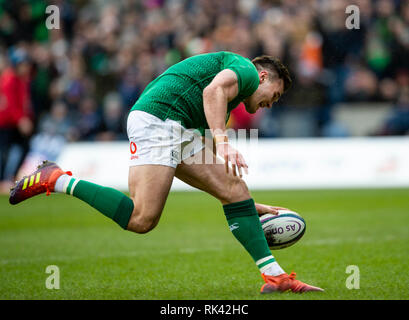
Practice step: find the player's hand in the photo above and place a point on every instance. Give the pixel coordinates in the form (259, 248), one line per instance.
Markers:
(263, 209)
(231, 155)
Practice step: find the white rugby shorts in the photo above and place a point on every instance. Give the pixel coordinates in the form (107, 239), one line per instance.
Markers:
(158, 142)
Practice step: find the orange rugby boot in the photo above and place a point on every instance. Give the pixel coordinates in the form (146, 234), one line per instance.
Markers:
(40, 181)
(285, 282)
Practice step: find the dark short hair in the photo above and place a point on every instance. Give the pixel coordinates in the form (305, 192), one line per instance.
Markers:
(278, 70)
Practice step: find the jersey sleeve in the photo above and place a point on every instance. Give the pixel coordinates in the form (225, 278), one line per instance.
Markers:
(247, 75)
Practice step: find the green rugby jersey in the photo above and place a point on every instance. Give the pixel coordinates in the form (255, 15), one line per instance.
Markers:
(177, 93)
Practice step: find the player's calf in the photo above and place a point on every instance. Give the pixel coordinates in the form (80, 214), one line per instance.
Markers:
(234, 190)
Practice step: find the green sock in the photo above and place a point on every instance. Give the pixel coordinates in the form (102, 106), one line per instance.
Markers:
(110, 202)
(245, 225)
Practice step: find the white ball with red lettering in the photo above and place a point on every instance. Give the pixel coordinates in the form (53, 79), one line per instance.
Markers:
(282, 230)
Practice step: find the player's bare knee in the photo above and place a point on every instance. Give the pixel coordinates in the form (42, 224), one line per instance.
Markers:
(146, 226)
(141, 223)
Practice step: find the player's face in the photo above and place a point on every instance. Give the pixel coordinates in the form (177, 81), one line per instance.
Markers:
(267, 93)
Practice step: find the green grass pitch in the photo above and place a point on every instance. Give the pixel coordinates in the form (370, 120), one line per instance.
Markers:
(192, 254)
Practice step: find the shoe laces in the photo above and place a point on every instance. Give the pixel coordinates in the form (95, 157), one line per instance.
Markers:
(48, 192)
(292, 275)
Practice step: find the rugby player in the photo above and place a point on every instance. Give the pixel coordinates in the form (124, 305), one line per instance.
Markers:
(191, 96)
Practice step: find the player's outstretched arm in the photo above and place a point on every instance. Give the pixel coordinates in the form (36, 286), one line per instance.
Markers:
(216, 96)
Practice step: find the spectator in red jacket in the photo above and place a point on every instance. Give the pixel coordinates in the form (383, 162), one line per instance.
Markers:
(16, 118)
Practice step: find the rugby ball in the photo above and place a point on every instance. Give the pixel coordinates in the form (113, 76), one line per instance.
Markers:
(282, 230)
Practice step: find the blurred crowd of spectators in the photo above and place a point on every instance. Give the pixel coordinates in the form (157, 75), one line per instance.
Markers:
(82, 79)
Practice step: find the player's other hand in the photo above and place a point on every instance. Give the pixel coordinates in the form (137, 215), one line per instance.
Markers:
(231, 155)
(263, 209)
